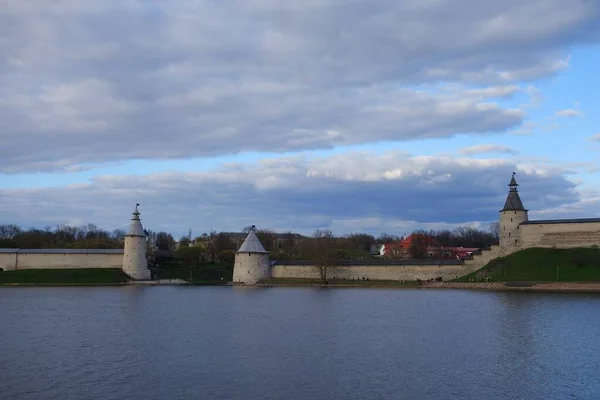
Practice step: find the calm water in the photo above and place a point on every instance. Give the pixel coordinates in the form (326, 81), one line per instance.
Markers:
(286, 343)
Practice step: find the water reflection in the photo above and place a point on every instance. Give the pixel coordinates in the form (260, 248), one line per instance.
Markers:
(296, 343)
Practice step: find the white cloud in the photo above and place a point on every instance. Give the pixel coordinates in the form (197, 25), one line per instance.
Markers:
(595, 138)
(527, 128)
(487, 148)
(84, 82)
(374, 192)
(569, 112)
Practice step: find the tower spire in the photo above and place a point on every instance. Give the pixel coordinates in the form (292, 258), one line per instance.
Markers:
(136, 213)
(135, 227)
(513, 200)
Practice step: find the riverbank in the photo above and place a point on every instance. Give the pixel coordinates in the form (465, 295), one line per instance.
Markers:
(497, 286)
(519, 286)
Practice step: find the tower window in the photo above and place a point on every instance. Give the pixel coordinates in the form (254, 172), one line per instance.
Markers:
(511, 220)
(508, 234)
(515, 241)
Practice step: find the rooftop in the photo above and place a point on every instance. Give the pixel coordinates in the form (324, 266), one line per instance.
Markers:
(252, 244)
(561, 221)
(62, 251)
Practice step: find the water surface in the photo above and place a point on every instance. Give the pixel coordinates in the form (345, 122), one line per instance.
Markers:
(296, 343)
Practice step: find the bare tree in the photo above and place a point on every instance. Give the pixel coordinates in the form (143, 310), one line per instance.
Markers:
(495, 231)
(322, 251)
(9, 231)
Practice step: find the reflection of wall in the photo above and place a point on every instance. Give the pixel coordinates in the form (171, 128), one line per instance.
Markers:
(60, 259)
(560, 235)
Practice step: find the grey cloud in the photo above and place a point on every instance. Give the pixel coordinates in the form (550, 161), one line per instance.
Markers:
(181, 79)
(358, 191)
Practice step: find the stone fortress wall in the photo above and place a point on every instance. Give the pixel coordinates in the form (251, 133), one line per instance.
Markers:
(131, 259)
(374, 272)
(252, 264)
(560, 234)
(517, 232)
(17, 259)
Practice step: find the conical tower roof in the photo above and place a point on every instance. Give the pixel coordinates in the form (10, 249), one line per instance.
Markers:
(513, 200)
(135, 227)
(252, 244)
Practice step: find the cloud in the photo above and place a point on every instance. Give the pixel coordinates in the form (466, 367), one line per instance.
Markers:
(487, 148)
(569, 113)
(83, 82)
(346, 192)
(595, 138)
(527, 128)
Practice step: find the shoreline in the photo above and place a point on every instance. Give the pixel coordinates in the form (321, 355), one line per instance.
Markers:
(556, 287)
(570, 287)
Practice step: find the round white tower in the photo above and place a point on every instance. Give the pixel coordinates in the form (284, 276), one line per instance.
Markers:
(135, 263)
(251, 261)
(511, 216)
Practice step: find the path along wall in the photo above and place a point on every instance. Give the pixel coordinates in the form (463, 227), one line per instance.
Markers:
(375, 272)
(560, 235)
(11, 259)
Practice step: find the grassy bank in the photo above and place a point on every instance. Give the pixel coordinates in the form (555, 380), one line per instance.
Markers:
(541, 265)
(82, 276)
(336, 282)
(197, 274)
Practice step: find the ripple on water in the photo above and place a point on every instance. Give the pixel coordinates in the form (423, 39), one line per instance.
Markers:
(296, 343)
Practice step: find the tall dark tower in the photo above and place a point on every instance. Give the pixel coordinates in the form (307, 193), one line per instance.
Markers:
(511, 216)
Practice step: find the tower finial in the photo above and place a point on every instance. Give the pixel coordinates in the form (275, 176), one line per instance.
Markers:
(136, 213)
(513, 201)
(513, 182)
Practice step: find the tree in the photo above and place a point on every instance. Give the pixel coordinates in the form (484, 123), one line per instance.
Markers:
(9, 231)
(495, 231)
(388, 238)
(184, 241)
(418, 245)
(191, 255)
(227, 258)
(267, 238)
(322, 251)
(164, 241)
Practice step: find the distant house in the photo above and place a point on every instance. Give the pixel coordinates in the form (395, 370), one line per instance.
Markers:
(401, 248)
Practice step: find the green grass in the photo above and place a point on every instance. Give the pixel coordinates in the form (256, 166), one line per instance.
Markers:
(541, 265)
(203, 273)
(80, 276)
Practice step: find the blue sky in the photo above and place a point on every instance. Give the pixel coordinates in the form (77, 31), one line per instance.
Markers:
(217, 115)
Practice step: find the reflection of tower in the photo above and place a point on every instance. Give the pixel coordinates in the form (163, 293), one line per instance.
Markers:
(135, 263)
(251, 261)
(511, 216)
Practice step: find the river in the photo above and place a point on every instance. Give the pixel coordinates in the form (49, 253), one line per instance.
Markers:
(192, 342)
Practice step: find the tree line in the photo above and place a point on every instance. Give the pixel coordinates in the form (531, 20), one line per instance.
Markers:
(214, 246)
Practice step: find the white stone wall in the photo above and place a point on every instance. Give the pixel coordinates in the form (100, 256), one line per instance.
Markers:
(8, 261)
(563, 235)
(375, 272)
(59, 261)
(134, 261)
(479, 260)
(250, 268)
(510, 231)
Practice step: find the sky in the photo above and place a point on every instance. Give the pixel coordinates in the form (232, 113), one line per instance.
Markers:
(355, 116)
